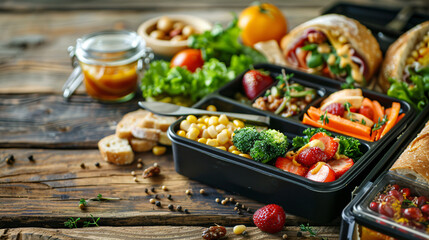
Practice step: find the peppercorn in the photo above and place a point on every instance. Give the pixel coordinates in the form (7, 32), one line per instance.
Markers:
(249, 210)
(97, 164)
(239, 212)
(235, 208)
(186, 210)
(158, 203)
(188, 192)
(133, 173)
(155, 164)
(139, 165)
(202, 191)
(217, 200)
(31, 158)
(146, 191)
(284, 236)
(10, 159)
(179, 208)
(164, 188)
(152, 189)
(223, 202)
(135, 179)
(170, 206)
(169, 197)
(139, 160)
(82, 165)
(156, 196)
(231, 199)
(238, 205)
(152, 200)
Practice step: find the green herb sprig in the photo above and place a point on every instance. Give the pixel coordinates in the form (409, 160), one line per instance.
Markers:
(71, 222)
(308, 229)
(324, 118)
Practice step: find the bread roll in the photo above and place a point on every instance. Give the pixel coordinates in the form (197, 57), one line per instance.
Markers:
(396, 57)
(116, 150)
(414, 161)
(124, 127)
(345, 35)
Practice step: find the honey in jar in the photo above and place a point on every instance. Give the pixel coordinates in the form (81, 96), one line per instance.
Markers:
(111, 62)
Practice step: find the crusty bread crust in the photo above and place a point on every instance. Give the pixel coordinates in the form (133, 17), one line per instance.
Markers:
(397, 54)
(360, 38)
(414, 161)
(124, 127)
(116, 150)
(142, 145)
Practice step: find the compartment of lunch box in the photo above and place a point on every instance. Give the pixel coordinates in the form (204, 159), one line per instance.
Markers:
(235, 87)
(349, 215)
(317, 201)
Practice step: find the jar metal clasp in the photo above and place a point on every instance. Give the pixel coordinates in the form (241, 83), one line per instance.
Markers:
(75, 78)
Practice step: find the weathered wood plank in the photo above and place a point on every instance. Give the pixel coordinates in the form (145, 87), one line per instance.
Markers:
(44, 193)
(49, 121)
(154, 232)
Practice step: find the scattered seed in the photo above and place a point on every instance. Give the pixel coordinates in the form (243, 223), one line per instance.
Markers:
(239, 212)
(82, 165)
(249, 210)
(188, 192)
(10, 159)
(226, 199)
(155, 164)
(135, 179)
(299, 234)
(244, 233)
(179, 208)
(146, 191)
(231, 199)
(97, 164)
(156, 196)
(139, 165)
(31, 158)
(139, 160)
(152, 200)
(152, 189)
(242, 206)
(202, 191)
(238, 205)
(81, 206)
(186, 210)
(169, 197)
(158, 203)
(239, 229)
(217, 200)
(235, 208)
(223, 202)
(164, 188)
(170, 206)
(284, 236)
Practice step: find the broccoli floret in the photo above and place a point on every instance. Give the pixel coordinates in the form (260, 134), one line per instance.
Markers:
(272, 144)
(244, 138)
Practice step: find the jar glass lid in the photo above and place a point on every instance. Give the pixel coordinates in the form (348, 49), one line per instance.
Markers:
(110, 48)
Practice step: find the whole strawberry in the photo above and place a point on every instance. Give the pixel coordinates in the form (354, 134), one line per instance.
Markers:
(270, 218)
(310, 156)
(254, 82)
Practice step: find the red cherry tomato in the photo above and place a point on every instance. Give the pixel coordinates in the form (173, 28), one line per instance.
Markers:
(189, 58)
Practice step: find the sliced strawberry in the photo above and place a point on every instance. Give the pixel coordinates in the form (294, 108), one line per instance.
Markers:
(331, 146)
(340, 166)
(366, 111)
(287, 165)
(255, 82)
(311, 155)
(321, 172)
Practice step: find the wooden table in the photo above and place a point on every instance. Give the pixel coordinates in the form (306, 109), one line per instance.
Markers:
(37, 197)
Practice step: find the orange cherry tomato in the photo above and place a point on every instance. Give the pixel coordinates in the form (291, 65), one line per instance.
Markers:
(189, 58)
(262, 22)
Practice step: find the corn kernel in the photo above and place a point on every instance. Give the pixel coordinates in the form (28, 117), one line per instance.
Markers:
(193, 133)
(415, 54)
(238, 123)
(181, 133)
(212, 142)
(245, 155)
(232, 148)
(201, 126)
(206, 121)
(222, 138)
(202, 140)
(422, 51)
(184, 125)
(342, 39)
(205, 134)
(211, 108)
(239, 229)
(191, 119)
(159, 150)
(221, 148)
(213, 120)
(212, 131)
(343, 62)
(331, 59)
(223, 119)
(220, 127)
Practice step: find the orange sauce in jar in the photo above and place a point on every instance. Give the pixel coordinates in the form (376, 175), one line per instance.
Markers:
(110, 83)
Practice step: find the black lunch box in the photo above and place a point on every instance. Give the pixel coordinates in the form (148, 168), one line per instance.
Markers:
(357, 212)
(318, 202)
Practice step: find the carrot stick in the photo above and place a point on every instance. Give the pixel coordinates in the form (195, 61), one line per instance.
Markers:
(387, 112)
(400, 117)
(393, 116)
(307, 120)
(339, 123)
(378, 111)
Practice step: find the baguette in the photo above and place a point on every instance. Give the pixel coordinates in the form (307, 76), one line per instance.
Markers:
(395, 62)
(124, 127)
(116, 150)
(142, 145)
(414, 161)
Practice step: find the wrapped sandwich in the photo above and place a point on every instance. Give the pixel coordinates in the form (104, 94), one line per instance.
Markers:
(333, 46)
(405, 70)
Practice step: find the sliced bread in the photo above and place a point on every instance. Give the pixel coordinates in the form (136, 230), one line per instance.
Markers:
(123, 129)
(142, 145)
(116, 150)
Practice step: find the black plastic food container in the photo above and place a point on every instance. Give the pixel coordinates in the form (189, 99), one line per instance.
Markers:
(319, 202)
(357, 211)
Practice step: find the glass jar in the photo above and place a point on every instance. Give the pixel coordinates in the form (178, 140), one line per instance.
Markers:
(111, 62)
